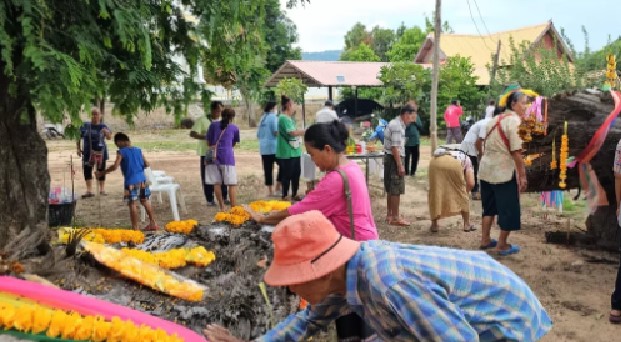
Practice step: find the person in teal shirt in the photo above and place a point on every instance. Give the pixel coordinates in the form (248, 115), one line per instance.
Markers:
(412, 146)
(268, 135)
(289, 150)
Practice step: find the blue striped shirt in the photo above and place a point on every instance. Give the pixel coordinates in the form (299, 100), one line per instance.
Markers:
(427, 293)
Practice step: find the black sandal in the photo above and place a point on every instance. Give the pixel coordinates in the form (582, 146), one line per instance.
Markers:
(87, 195)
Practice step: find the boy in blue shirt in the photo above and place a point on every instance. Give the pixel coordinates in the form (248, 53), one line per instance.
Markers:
(132, 163)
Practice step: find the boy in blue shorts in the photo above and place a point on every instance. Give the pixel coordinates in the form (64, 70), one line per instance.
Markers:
(132, 163)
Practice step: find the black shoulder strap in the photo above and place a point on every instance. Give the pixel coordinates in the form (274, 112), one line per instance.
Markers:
(347, 192)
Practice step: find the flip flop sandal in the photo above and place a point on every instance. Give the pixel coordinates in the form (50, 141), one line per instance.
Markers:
(150, 228)
(614, 319)
(103, 193)
(472, 228)
(492, 243)
(88, 195)
(513, 249)
(399, 222)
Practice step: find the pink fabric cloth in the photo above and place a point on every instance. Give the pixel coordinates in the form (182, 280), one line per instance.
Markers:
(329, 198)
(452, 114)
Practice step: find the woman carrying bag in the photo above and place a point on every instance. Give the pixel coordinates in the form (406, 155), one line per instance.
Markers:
(341, 196)
(220, 158)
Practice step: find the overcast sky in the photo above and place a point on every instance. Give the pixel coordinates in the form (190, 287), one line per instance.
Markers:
(322, 24)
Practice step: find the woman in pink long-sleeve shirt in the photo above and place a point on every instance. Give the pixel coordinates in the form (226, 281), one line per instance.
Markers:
(325, 142)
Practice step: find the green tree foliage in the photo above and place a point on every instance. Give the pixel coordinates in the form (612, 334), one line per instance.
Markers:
(291, 87)
(383, 38)
(280, 35)
(429, 25)
(59, 56)
(404, 81)
(457, 82)
(593, 64)
(361, 53)
(407, 46)
(357, 35)
(538, 69)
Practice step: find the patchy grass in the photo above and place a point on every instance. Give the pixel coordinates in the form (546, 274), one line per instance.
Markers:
(166, 145)
(163, 140)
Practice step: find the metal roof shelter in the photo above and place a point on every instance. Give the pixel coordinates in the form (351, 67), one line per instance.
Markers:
(329, 74)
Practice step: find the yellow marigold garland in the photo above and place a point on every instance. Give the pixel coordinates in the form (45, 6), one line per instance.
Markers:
(37, 319)
(174, 258)
(267, 206)
(145, 273)
(553, 158)
(184, 226)
(528, 160)
(611, 70)
(238, 215)
(104, 235)
(563, 155)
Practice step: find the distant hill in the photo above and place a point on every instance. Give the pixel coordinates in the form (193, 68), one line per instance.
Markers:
(328, 55)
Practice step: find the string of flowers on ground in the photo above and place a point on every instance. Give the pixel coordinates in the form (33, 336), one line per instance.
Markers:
(145, 273)
(183, 227)
(38, 319)
(174, 258)
(103, 235)
(238, 215)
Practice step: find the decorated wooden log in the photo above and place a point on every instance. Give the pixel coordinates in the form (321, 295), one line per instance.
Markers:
(584, 112)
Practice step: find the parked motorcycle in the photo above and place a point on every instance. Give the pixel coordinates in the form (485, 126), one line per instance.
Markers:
(50, 132)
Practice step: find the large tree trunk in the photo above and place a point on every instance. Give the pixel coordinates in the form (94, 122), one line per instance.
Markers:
(584, 114)
(24, 178)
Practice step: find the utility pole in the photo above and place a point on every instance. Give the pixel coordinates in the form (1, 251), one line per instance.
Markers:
(435, 76)
(494, 68)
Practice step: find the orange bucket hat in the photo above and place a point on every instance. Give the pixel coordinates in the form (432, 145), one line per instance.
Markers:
(307, 247)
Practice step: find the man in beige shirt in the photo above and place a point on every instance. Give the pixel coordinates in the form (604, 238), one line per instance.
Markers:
(503, 175)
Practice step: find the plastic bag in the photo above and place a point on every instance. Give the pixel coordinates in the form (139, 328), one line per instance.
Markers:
(149, 176)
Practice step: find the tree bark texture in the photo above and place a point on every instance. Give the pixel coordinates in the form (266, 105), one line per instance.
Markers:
(24, 177)
(584, 113)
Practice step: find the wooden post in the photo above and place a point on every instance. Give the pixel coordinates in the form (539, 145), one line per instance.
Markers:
(435, 75)
(330, 93)
(303, 112)
(355, 103)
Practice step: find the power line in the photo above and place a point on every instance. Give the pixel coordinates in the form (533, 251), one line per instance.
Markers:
(480, 16)
(476, 26)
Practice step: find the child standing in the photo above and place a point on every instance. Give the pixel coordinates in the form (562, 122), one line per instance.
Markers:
(132, 163)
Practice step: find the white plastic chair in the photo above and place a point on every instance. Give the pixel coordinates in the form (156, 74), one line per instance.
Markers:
(164, 184)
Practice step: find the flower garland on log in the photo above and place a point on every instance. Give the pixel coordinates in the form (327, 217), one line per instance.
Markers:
(563, 155)
(183, 227)
(238, 215)
(103, 235)
(145, 273)
(173, 258)
(32, 318)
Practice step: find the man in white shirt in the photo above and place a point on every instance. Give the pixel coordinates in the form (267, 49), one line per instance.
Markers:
(326, 114)
(472, 149)
(489, 110)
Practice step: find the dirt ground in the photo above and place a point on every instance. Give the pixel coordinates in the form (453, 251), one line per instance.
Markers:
(574, 290)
